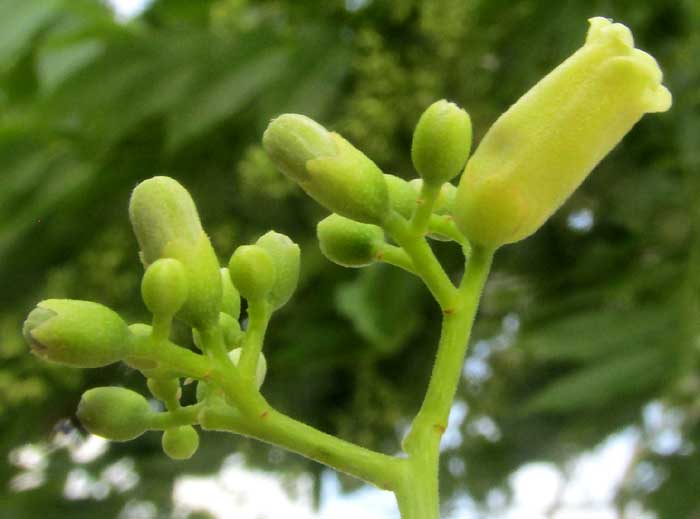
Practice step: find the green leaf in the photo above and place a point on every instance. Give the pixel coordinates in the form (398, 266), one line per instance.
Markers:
(381, 304)
(20, 21)
(592, 334)
(224, 96)
(601, 383)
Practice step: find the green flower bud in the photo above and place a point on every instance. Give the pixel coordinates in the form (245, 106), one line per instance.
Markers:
(167, 225)
(347, 242)
(77, 333)
(231, 329)
(165, 389)
(230, 298)
(402, 195)
(164, 286)
(252, 272)
(261, 368)
(292, 140)
(540, 150)
(285, 258)
(441, 142)
(161, 210)
(180, 443)
(330, 169)
(114, 413)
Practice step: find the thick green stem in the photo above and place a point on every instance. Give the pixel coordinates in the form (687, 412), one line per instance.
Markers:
(417, 495)
(278, 429)
(424, 261)
(431, 420)
(181, 416)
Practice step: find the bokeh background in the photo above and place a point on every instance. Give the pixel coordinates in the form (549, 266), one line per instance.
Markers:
(589, 331)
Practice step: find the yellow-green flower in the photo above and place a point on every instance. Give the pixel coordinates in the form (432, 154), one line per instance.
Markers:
(540, 150)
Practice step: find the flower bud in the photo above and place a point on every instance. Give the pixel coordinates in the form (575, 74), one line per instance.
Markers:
(230, 328)
(441, 142)
(252, 272)
(285, 258)
(161, 210)
(167, 225)
(402, 195)
(347, 242)
(540, 150)
(330, 169)
(164, 287)
(114, 413)
(77, 333)
(165, 389)
(180, 443)
(230, 298)
(261, 368)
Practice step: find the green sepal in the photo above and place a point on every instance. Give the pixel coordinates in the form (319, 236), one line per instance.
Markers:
(115, 413)
(164, 287)
(77, 333)
(180, 443)
(347, 242)
(441, 142)
(285, 255)
(252, 272)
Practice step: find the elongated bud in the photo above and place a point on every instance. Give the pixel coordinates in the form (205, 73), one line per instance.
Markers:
(347, 242)
(539, 151)
(164, 286)
(285, 257)
(77, 333)
(261, 368)
(180, 443)
(114, 413)
(252, 272)
(330, 169)
(167, 225)
(441, 142)
(230, 298)
(161, 211)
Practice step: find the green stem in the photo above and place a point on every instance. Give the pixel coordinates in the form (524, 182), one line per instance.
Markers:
(445, 225)
(424, 208)
(396, 256)
(187, 415)
(424, 261)
(259, 313)
(431, 420)
(275, 428)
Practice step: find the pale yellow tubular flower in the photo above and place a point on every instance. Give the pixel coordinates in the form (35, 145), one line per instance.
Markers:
(540, 150)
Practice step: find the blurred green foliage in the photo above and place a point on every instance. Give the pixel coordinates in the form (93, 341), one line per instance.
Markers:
(582, 325)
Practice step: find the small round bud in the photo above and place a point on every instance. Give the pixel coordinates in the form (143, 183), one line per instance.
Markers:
(164, 287)
(230, 298)
(441, 142)
(164, 389)
(114, 413)
(261, 369)
(285, 258)
(161, 211)
(180, 443)
(231, 329)
(348, 243)
(77, 333)
(252, 272)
